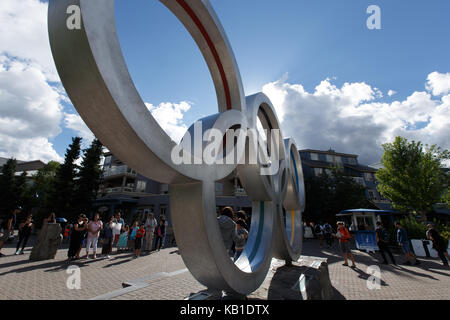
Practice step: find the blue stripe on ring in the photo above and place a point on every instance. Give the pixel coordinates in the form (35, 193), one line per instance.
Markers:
(295, 169)
(260, 232)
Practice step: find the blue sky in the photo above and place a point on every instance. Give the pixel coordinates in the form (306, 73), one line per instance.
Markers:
(295, 42)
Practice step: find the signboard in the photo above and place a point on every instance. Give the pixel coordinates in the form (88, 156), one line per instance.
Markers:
(366, 240)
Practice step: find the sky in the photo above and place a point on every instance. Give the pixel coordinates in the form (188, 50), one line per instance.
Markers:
(334, 83)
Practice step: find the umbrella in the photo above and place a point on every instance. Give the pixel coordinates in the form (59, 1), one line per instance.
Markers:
(61, 220)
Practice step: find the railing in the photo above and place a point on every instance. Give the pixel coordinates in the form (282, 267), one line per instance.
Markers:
(113, 171)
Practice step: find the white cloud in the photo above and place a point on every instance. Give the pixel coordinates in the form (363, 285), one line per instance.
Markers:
(438, 83)
(23, 33)
(74, 122)
(392, 93)
(351, 119)
(170, 118)
(30, 111)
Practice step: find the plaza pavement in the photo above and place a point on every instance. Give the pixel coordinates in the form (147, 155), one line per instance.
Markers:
(163, 275)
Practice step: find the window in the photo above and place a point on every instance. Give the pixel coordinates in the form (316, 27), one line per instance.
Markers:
(329, 158)
(314, 156)
(351, 161)
(368, 176)
(141, 186)
(338, 159)
(318, 171)
(372, 195)
(328, 172)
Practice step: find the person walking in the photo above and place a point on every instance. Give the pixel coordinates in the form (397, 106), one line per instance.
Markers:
(138, 241)
(344, 240)
(7, 226)
(403, 241)
(160, 230)
(439, 244)
(93, 232)
(382, 237)
(24, 233)
(76, 237)
(107, 239)
(150, 225)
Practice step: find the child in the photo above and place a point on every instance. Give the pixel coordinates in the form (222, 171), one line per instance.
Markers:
(123, 239)
(138, 241)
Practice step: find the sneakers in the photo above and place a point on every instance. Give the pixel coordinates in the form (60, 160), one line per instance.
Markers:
(17, 252)
(353, 267)
(21, 252)
(345, 264)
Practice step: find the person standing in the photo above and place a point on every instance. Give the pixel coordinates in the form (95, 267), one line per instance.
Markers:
(150, 225)
(327, 233)
(318, 229)
(344, 240)
(24, 233)
(160, 230)
(93, 232)
(108, 238)
(241, 230)
(76, 237)
(138, 241)
(166, 225)
(7, 226)
(132, 235)
(438, 244)
(118, 220)
(403, 241)
(382, 236)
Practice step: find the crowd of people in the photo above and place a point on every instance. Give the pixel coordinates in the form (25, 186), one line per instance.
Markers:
(149, 235)
(325, 232)
(115, 233)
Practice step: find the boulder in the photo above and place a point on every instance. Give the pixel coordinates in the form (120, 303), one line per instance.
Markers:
(48, 241)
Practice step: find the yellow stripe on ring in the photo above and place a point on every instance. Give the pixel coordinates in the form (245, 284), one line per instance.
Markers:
(292, 227)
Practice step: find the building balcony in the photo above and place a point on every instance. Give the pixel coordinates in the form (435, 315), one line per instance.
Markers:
(118, 171)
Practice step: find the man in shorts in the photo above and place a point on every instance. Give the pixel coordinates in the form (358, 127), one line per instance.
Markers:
(344, 240)
(403, 241)
(7, 226)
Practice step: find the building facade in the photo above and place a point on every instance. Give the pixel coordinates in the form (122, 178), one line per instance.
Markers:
(122, 189)
(316, 162)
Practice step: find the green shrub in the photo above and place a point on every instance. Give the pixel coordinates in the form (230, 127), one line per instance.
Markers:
(418, 230)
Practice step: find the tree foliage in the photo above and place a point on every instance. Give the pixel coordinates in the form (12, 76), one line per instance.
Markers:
(9, 189)
(327, 195)
(87, 184)
(412, 177)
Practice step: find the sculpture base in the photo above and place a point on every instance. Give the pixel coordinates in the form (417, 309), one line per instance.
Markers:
(47, 243)
(305, 279)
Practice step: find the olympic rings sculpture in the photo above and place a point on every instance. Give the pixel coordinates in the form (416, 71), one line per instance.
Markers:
(94, 73)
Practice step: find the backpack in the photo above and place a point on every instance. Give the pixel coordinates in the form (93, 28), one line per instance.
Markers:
(317, 229)
(328, 229)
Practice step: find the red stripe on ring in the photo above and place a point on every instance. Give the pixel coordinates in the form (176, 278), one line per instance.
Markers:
(211, 46)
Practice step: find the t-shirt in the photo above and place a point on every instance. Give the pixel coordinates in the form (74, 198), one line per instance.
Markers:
(402, 236)
(345, 234)
(140, 233)
(94, 229)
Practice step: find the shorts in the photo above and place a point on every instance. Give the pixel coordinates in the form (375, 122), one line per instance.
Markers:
(405, 247)
(345, 247)
(138, 243)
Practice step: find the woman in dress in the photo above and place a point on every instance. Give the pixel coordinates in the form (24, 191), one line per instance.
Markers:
(76, 237)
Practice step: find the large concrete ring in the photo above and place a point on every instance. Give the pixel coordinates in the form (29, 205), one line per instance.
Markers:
(94, 73)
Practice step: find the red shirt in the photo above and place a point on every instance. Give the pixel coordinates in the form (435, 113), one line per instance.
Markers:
(345, 234)
(140, 233)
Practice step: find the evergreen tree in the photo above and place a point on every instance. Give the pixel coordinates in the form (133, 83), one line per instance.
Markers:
(8, 188)
(63, 189)
(88, 178)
